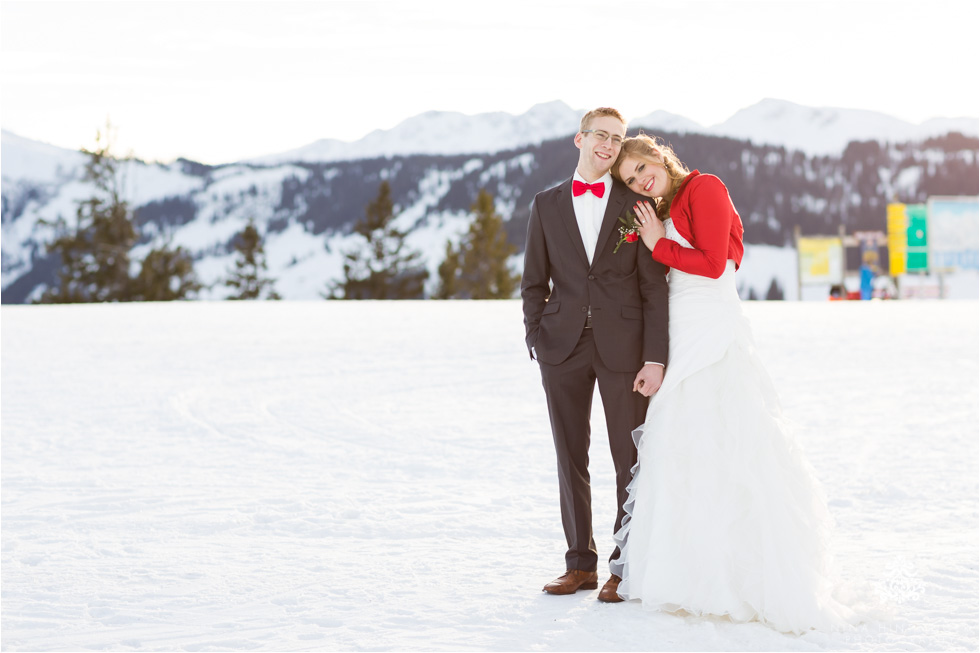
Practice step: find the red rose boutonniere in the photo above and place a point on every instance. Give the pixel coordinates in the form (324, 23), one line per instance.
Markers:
(629, 232)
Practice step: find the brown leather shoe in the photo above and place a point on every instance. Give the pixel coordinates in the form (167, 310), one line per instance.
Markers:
(608, 593)
(572, 581)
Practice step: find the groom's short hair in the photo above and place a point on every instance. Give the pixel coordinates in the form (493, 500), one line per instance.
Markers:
(601, 111)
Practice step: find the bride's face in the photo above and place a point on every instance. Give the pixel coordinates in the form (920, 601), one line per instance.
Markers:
(644, 177)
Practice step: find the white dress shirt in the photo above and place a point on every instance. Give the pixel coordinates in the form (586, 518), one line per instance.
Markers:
(589, 211)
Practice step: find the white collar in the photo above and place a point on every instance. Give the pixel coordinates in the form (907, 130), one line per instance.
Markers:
(604, 179)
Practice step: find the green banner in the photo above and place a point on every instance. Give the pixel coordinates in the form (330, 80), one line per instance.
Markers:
(918, 238)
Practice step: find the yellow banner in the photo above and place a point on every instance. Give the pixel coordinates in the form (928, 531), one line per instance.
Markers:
(821, 260)
(898, 223)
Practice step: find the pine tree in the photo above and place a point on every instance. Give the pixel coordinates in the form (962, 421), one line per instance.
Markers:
(382, 267)
(165, 275)
(95, 254)
(449, 273)
(478, 269)
(248, 278)
(775, 292)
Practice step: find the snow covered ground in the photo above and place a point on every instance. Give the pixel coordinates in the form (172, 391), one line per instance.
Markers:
(372, 476)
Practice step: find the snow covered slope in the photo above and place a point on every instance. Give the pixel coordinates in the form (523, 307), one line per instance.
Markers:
(362, 476)
(33, 161)
(445, 132)
(771, 122)
(828, 130)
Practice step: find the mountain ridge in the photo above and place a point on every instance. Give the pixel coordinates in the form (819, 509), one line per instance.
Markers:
(813, 130)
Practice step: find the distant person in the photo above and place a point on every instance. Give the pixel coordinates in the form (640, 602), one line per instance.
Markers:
(724, 514)
(868, 272)
(592, 313)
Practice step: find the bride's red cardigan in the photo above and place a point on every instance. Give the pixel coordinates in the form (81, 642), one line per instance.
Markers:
(703, 213)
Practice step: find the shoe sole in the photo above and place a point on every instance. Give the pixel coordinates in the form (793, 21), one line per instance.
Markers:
(586, 586)
(615, 600)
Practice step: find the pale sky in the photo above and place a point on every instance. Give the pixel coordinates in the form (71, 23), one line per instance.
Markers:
(221, 81)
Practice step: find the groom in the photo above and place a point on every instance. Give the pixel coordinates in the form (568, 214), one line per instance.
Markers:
(592, 315)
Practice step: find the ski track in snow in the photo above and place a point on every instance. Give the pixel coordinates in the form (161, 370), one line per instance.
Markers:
(380, 475)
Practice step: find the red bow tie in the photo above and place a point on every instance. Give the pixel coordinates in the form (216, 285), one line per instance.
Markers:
(579, 187)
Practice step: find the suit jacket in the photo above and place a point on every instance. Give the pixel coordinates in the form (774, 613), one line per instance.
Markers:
(627, 291)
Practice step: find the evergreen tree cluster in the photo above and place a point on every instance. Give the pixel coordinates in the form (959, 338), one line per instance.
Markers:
(477, 268)
(248, 280)
(95, 253)
(384, 267)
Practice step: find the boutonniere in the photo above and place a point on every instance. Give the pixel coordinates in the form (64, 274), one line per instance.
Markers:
(629, 232)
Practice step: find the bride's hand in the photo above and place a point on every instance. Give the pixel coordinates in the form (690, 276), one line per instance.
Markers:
(651, 228)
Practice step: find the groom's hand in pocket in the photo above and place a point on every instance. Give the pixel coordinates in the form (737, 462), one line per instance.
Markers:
(648, 379)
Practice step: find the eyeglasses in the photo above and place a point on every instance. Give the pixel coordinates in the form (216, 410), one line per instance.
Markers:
(603, 136)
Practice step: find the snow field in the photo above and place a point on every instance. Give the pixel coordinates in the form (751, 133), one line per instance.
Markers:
(379, 475)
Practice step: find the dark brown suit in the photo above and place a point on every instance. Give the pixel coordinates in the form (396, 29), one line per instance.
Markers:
(627, 293)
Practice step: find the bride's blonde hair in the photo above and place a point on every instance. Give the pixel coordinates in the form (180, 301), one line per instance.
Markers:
(647, 148)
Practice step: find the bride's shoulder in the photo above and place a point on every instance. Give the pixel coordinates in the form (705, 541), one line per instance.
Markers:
(706, 188)
(706, 181)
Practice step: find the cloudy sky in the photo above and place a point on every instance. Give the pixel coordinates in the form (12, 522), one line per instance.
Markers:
(221, 81)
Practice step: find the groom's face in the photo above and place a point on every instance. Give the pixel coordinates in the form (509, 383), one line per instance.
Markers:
(596, 156)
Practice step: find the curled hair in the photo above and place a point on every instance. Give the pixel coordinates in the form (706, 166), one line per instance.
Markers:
(598, 113)
(647, 148)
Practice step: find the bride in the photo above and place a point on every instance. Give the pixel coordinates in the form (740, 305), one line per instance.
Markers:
(724, 516)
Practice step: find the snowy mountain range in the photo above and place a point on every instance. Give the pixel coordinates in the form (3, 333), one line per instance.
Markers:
(816, 131)
(305, 202)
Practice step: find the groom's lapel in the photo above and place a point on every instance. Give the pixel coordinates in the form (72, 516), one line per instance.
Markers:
(614, 209)
(566, 212)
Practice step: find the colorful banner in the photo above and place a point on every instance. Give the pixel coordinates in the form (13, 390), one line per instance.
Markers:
(954, 233)
(918, 238)
(898, 241)
(821, 260)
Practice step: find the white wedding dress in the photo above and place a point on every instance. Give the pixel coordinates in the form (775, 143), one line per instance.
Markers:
(724, 515)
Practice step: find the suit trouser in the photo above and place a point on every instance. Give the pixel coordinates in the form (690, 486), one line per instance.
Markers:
(569, 387)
